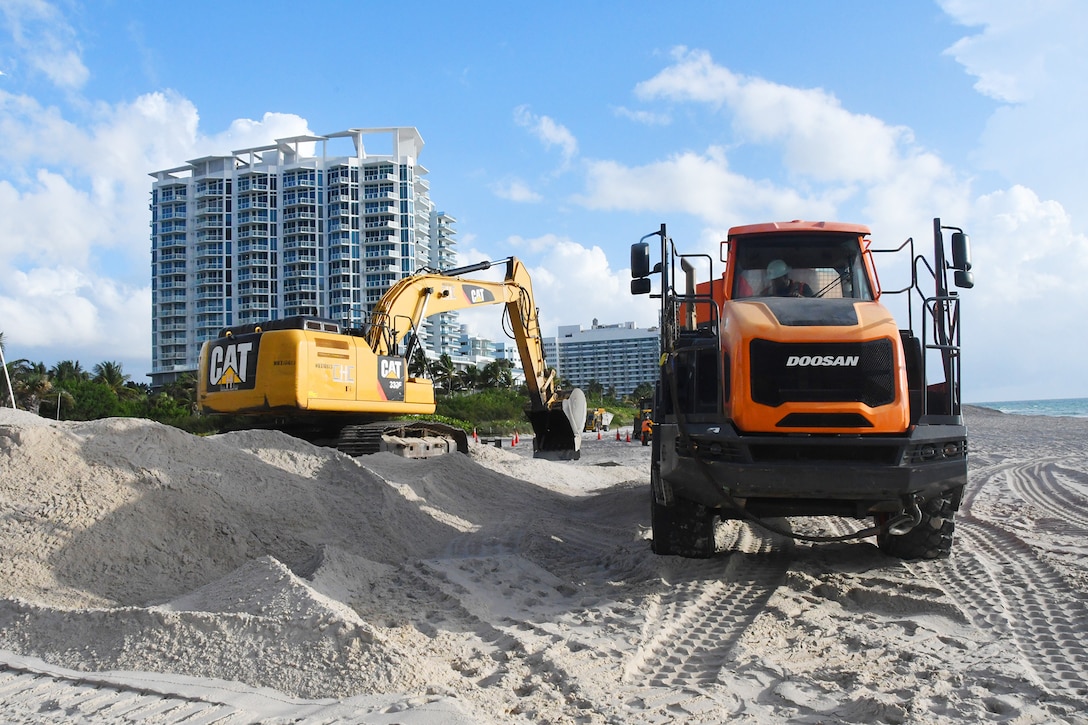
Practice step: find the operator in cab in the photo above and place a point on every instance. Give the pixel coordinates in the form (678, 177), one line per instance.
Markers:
(779, 283)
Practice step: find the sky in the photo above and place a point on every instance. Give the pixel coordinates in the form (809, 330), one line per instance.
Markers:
(563, 132)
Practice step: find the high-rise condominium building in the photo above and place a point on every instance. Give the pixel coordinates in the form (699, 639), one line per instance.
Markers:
(310, 225)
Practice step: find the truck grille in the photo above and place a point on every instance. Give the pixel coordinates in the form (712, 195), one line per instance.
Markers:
(862, 372)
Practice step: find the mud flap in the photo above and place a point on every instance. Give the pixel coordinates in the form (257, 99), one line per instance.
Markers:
(557, 431)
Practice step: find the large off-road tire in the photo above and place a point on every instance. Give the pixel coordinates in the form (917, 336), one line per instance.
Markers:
(683, 529)
(932, 537)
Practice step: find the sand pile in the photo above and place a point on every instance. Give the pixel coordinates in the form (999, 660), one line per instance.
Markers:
(297, 584)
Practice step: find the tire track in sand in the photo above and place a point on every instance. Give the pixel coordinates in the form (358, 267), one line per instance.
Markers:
(1002, 583)
(68, 699)
(32, 691)
(695, 622)
(1047, 486)
(655, 657)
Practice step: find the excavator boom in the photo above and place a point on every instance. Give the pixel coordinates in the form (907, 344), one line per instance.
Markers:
(411, 300)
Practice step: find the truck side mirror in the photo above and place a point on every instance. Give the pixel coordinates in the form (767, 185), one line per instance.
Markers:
(640, 286)
(961, 252)
(964, 279)
(640, 263)
(961, 260)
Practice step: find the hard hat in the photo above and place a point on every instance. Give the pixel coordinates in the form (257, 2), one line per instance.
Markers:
(777, 269)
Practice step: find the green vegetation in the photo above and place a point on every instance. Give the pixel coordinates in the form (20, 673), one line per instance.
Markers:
(484, 398)
(67, 391)
(502, 411)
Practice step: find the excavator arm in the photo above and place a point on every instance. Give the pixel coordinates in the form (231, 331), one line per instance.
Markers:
(556, 416)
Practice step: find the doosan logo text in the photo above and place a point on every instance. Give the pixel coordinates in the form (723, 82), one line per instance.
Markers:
(830, 361)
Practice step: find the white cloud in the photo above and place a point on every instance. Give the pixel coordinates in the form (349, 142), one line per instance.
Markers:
(1022, 48)
(694, 77)
(1031, 252)
(649, 118)
(549, 131)
(1023, 317)
(515, 190)
(837, 163)
(702, 185)
(1031, 57)
(920, 187)
(820, 139)
(249, 133)
(59, 312)
(43, 40)
(73, 195)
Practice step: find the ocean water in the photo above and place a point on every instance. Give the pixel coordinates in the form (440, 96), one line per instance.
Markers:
(1075, 407)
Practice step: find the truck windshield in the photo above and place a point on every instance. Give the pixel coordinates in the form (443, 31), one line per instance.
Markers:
(800, 265)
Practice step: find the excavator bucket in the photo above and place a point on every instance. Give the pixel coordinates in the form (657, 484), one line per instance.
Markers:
(558, 430)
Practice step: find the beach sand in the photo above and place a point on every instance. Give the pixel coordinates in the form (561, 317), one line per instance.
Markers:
(151, 576)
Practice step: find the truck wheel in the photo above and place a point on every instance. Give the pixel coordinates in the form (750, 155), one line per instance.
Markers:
(931, 538)
(683, 529)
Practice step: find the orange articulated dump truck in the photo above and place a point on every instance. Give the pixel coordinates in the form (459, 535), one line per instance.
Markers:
(788, 389)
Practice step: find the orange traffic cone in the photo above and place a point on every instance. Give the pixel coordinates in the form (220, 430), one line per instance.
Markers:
(617, 434)
(628, 437)
(475, 437)
(598, 435)
(517, 438)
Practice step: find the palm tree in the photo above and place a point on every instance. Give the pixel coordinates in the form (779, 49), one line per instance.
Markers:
(183, 390)
(112, 375)
(417, 365)
(68, 371)
(443, 372)
(469, 379)
(31, 384)
(497, 374)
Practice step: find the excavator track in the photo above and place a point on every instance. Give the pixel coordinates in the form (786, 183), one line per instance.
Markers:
(410, 439)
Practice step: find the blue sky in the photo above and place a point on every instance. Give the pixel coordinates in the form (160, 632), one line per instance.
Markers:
(562, 132)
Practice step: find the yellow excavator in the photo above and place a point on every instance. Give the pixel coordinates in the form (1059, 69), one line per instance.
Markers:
(343, 387)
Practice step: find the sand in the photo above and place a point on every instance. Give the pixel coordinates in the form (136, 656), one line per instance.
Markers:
(147, 575)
